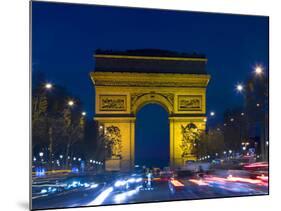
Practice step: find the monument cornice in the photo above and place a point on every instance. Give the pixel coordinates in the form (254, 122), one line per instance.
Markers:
(149, 79)
(149, 57)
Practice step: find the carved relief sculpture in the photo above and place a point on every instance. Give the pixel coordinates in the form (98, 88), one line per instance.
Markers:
(112, 102)
(190, 134)
(113, 142)
(189, 103)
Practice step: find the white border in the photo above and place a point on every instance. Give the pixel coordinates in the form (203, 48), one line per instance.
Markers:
(14, 45)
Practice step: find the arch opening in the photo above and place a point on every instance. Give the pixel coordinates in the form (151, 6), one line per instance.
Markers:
(152, 147)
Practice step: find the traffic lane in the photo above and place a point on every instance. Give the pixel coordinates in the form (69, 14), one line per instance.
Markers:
(216, 187)
(86, 188)
(161, 191)
(157, 191)
(72, 198)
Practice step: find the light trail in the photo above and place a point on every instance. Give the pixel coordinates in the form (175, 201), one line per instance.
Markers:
(176, 183)
(100, 198)
(198, 182)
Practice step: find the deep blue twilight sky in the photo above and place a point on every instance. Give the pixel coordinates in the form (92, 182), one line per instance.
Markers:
(65, 36)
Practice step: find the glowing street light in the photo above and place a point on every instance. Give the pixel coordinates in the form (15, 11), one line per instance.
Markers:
(212, 113)
(84, 113)
(70, 103)
(244, 148)
(230, 151)
(258, 70)
(48, 86)
(239, 87)
(41, 154)
(61, 156)
(242, 114)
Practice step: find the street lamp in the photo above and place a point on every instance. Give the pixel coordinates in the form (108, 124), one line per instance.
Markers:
(212, 113)
(239, 87)
(230, 151)
(70, 103)
(41, 154)
(48, 86)
(258, 70)
(61, 156)
(84, 113)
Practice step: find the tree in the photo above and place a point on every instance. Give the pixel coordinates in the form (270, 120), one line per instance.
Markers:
(211, 142)
(55, 127)
(73, 130)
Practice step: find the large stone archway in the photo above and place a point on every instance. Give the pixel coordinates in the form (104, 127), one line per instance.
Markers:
(120, 94)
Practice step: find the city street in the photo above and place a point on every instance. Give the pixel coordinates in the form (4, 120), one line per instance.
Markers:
(102, 189)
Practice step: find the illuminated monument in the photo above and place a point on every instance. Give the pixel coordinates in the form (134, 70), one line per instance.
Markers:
(126, 81)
